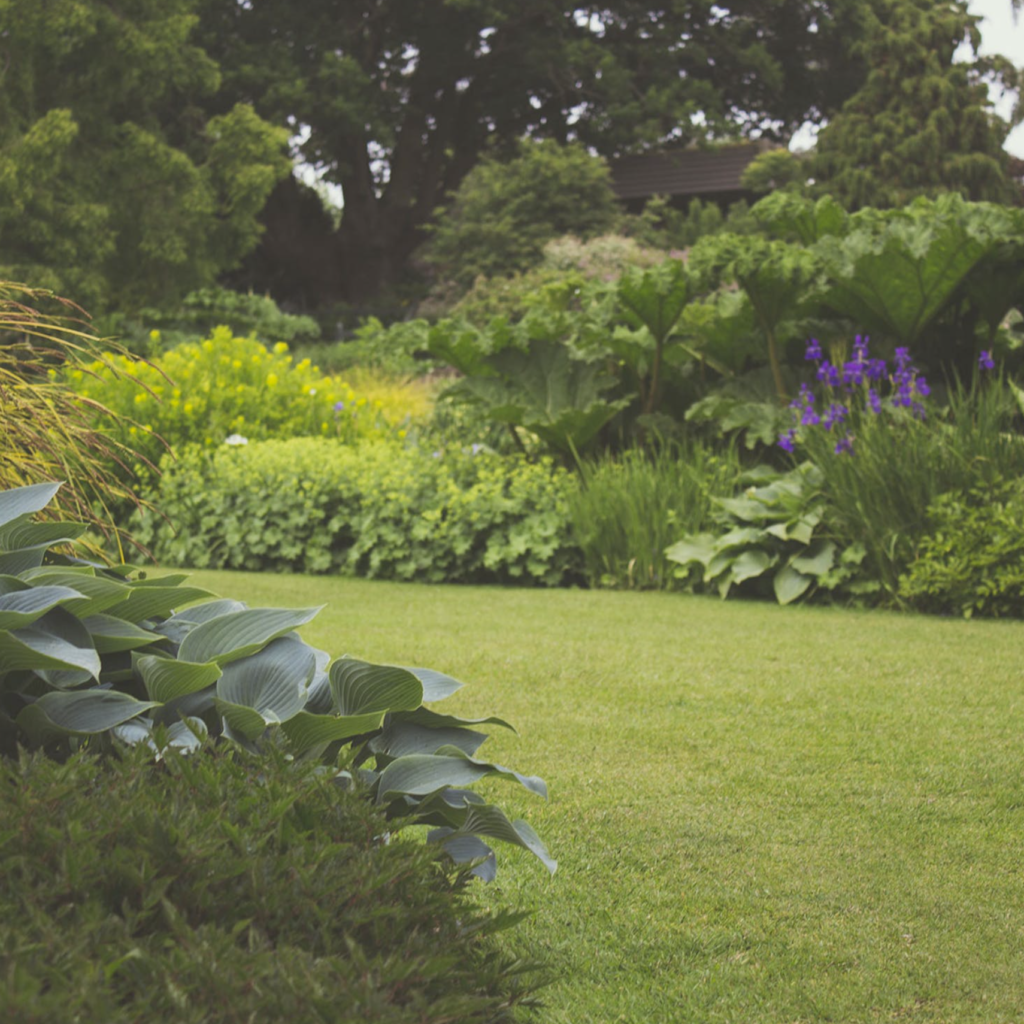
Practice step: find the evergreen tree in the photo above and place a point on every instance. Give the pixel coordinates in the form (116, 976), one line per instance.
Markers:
(921, 124)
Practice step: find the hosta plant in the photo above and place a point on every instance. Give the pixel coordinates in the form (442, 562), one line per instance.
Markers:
(92, 655)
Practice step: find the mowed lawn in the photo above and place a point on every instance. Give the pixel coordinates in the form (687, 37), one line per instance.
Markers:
(760, 814)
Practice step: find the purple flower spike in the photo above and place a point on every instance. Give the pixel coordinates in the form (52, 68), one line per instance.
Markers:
(985, 361)
(874, 402)
(860, 348)
(813, 350)
(923, 388)
(844, 444)
(903, 358)
(787, 440)
(810, 418)
(836, 414)
(876, 369)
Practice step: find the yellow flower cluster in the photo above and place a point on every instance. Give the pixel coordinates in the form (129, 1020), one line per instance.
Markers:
(204, 392)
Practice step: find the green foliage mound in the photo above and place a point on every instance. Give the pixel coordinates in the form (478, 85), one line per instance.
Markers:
(214, 887)
(971, 560)
(91, 655)
(377, 510)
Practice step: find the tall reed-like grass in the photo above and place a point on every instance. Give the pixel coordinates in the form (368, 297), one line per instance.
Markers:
(630, 507)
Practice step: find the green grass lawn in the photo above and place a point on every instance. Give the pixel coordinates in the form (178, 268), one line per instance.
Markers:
(760, 814)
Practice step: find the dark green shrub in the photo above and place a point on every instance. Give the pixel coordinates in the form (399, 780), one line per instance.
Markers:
(971, 560)
(377, 510)
(219, 888)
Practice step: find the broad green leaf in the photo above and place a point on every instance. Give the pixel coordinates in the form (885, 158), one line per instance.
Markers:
(420, 774)
(533, 783)
(436, 685)
(24, 607)
(168, 679)
(697, 547)
(488, 820)
(236, 635)
(466, 848)
(749, 564)
(100, 592)
(22, 560)
(305, 730)
(79, 713)
(401, 738)
(790, 584)
(817, 560)
(36, 648)
(207, 610)
(23, 533)
(360, 688)
(20, 501)
(433, 720)
(265, 688)
(655, 298)
(185, 735)
(787, 213)
(148, 600)
(113, 634)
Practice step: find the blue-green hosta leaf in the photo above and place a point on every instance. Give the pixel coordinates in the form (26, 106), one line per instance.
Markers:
(790, 584)
(817, 560)
(79, 713)
(741, 537)
(23, 533)
(11, 584)
(38, 649)
(401, 738)
(207, 610)
(22, 560)
(488, 820)
(436, 685)
(433, 720)
(360, 687)
(239, 634)
(466, 848)
(23, 607)
(696, 547)
(306, 731)
(266, 688)
(21, 501)
(185, 735)
(147, 600)
(168, 679)
(113, 634)
(420, 774)
(99, 591)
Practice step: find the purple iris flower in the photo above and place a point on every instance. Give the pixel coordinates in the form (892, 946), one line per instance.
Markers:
(835, 414)
(844, 444)
(985, 361)
(787, 440)
(813, 349)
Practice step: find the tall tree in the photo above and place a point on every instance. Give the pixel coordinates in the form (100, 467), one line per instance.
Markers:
(397, 100)
(921, 124)
(116, 188)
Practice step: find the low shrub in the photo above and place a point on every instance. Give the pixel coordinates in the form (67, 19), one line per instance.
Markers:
(971, 560)
(216, 887)
(630, 508)
(203, 392)
(379, 510)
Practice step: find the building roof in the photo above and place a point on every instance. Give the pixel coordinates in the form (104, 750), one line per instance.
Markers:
(683, 171)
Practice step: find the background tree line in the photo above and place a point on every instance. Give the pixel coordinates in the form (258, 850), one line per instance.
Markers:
(144, 148)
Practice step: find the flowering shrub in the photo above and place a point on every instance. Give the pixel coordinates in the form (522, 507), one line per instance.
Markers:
(379, 510)
(204, 392)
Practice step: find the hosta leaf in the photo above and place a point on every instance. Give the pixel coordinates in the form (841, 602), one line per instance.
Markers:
(79, 713)
(697, 547)
(420, 774)
(113, 634)
(434, 720)
(20, 501)
(36, 648)
(360, 687)
(168, 679)
(488, 820)
(790, 584)
(533, 783)
(23, 607)
(749, 564)
(465, 848)
(23, 533)
(436, 685)
(148, 600)
(23, 559)
(238, 634)
(184, 735)
(208, 610)
(100, 592)
(305, 730)
(817, 560)
(266, 688)
(400, 738)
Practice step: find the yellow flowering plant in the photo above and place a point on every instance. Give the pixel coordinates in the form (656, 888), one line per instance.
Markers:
(223, 388)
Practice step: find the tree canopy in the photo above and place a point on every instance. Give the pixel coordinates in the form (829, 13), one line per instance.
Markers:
(920, 124)
(116, 186)
(398, 100)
